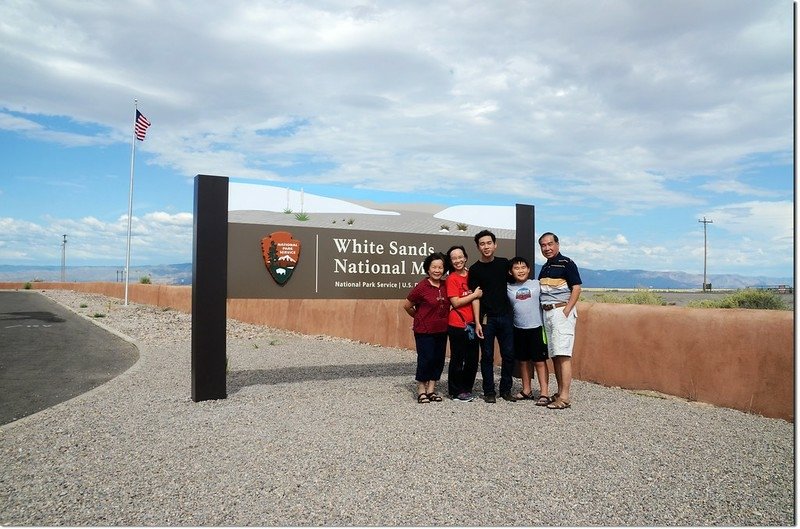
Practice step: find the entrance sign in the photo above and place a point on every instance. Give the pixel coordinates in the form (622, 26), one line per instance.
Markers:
(229, 261)
(336, 263)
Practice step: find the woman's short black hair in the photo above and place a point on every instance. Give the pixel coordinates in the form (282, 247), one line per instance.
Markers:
(426, 264)
(448, 264)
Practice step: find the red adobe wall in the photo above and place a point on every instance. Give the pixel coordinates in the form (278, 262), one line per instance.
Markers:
(737, 358)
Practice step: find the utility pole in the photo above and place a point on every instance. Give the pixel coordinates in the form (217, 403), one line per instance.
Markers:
(64, 259)
(705, 222)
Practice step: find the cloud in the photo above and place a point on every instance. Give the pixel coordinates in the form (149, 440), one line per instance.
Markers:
(403, 101)
(156, 237)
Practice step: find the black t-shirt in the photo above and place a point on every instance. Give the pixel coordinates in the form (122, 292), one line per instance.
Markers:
(492, 277)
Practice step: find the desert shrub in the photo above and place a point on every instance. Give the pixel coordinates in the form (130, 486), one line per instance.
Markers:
(607, 297)
(27, 286)
(301, 216)
(144, 280)
(744, 299)
(642, 297)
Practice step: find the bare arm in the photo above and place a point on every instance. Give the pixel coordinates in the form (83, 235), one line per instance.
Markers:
(574, 295)
(476, 311)
(458, 302)
(410, 308)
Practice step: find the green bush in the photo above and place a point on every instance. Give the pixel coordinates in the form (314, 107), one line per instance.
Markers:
(642, 297)
(748, 298)
(301, 216)
(607, 297)
(144, 280)
(27, 286)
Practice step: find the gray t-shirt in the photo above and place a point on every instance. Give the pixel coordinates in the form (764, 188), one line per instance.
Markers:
(524, 298)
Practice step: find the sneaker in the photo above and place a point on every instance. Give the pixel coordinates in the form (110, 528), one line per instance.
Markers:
(509, 397)
(490, 399)
(465, 397)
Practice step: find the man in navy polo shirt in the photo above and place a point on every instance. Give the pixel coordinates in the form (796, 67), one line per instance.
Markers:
(560, 289)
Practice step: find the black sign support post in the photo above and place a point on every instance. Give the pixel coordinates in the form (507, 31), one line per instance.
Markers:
(209, 287)
(526, 224)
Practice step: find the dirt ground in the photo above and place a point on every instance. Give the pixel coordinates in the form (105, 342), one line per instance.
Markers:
(682, 298)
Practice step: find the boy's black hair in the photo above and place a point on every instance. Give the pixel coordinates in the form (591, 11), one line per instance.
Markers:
(426, 264)
(484, 233)
(448, 264)
(516, 260)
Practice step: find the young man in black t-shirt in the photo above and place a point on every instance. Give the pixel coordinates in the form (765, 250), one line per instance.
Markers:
(496, 318)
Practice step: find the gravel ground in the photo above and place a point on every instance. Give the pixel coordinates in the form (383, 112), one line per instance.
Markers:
(322, 431)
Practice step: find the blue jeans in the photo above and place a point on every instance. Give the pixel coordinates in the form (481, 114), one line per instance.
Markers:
(502, 328)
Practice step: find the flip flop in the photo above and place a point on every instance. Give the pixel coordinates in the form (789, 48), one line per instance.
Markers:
(544, 400)
(422, 398)
(524, 396)
(558, 404)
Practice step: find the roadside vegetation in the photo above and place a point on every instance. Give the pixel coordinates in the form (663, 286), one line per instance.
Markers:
(640, 297)
(744, 299)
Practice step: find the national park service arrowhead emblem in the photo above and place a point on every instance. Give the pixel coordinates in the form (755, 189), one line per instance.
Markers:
(281, 254)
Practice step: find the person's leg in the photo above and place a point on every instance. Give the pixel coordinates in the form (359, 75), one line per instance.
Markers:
(563, 337)
(564, 364)
(542, 373)
(525, 375)
(438, 358)
(557, 371)
(505, 336)
(424, 351)
(471, 355)
(522, 353)
(455, 371)
(487, 357)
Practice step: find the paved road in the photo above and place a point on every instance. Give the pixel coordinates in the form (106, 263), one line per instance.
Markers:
(48, 354)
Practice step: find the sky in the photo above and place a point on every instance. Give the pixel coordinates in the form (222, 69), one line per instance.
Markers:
(624, 123)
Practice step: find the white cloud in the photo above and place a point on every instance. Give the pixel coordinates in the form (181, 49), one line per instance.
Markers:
(622, 109)
(585, 96)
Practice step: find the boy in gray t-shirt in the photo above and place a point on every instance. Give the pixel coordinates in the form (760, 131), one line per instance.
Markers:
(529, 346)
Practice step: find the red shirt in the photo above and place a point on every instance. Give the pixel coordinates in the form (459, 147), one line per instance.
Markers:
(457, 287)
(432, 307)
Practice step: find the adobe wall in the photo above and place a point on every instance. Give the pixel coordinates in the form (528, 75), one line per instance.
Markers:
(736, 358)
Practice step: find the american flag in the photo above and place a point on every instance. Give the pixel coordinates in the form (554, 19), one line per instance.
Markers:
(141, 125)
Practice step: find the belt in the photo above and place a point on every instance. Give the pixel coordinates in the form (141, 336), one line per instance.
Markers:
(554, 306)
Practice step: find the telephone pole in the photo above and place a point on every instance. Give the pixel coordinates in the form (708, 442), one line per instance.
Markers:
(705, 222)
(64, 259)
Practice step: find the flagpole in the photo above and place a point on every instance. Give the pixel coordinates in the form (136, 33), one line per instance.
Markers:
(130, 200)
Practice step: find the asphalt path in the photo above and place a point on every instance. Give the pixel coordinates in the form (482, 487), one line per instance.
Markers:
(49, 354)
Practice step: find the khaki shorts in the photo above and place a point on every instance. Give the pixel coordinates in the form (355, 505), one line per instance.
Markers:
(560, 331)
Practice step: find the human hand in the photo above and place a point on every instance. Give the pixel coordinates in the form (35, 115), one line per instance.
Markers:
(479, 330)
(478, 292)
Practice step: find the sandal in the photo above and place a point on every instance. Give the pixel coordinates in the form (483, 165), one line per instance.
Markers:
(558, 404)
(422, 398)
(543, 400)
(524, 396)
(434, 397)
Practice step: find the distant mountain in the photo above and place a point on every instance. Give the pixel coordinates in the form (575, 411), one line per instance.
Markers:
(181, 274)
(172, 274)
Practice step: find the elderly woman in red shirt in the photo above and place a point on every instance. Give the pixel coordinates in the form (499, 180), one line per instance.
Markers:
(428, 304)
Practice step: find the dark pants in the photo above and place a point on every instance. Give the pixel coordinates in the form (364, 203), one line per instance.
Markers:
(502, 328)
(463, 362)
(431, 349)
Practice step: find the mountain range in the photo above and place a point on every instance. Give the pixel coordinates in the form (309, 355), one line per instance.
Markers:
(181, 274)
